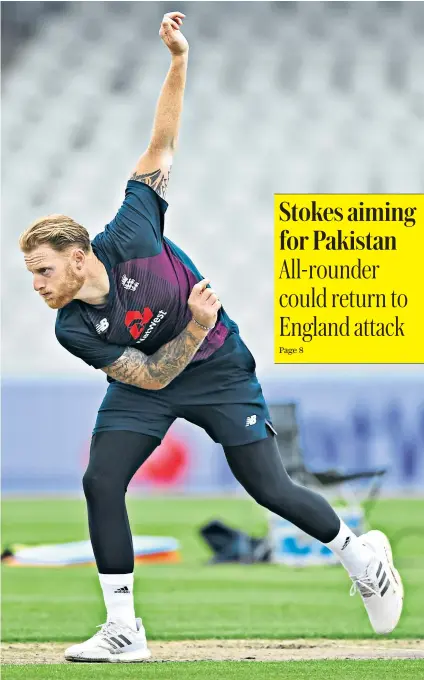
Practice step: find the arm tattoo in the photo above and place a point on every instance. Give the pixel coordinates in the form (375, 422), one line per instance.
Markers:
(127, 368)
(157, 179)
(171, 359)
(158, 370)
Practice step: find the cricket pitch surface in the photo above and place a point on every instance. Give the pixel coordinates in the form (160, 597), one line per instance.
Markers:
(235, 650)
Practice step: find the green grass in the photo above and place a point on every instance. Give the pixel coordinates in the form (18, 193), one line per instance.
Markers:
(211, 670)
(190, 600)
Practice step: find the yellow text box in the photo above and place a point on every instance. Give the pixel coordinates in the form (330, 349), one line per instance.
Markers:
(348, 272)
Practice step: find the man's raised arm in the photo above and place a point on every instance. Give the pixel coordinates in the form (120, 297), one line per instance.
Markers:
(154, 165)
(157, 370)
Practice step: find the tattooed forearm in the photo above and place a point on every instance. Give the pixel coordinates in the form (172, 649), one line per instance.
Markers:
(158, 370)
(168, 362)
(128, 367)
(157, 179)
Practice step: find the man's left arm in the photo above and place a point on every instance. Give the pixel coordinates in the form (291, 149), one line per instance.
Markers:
(154, 165)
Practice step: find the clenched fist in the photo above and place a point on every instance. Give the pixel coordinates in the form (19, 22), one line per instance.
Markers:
(204, 304)
(171, 34)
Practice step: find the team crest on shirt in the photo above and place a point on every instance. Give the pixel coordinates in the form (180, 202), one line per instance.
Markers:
(129, 284)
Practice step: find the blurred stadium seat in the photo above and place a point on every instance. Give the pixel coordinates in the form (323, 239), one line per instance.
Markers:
(293, 97)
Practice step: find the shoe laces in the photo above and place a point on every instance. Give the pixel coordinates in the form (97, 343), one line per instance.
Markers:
(107, 630)
(365, 585)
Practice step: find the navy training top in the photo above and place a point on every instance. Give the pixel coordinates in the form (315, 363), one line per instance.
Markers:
(150, 282)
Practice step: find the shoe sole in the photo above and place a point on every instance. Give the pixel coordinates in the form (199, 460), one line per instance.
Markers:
(384, 542)
(124, 657)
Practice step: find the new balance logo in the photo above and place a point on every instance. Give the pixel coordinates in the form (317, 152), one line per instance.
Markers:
(346, 543)
(129, 284)
(122, 590)
(102, 326)
(250, 420)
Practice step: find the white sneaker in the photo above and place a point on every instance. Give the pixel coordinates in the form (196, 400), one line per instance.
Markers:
(114, 643)
(380, 586)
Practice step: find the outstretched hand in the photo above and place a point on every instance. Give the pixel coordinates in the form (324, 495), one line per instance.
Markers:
(171, 34)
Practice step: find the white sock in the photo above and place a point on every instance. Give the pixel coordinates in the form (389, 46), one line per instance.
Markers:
(119, 598)
(352, 553)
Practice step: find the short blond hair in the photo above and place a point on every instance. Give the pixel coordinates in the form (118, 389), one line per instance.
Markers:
(58, 231)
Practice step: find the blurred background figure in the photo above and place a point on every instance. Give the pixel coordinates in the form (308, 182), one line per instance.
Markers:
(281, 97)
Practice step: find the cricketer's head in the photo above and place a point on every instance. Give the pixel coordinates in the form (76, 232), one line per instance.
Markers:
(56, 249)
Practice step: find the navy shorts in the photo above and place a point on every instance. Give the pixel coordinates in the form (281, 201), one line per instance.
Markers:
(220, 394)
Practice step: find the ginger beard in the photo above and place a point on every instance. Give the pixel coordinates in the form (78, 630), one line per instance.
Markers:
(65, 291)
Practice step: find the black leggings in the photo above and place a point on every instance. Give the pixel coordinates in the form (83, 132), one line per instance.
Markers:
(115, 456)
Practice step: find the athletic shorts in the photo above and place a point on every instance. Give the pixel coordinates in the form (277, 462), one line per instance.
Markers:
(220, 394)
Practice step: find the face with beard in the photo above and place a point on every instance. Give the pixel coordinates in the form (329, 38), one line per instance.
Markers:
(58, 276)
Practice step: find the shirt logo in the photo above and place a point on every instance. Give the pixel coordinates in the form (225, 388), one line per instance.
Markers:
(129, 284)
(136, 321)
(156, 321)
(102, 326)
(250, 420)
